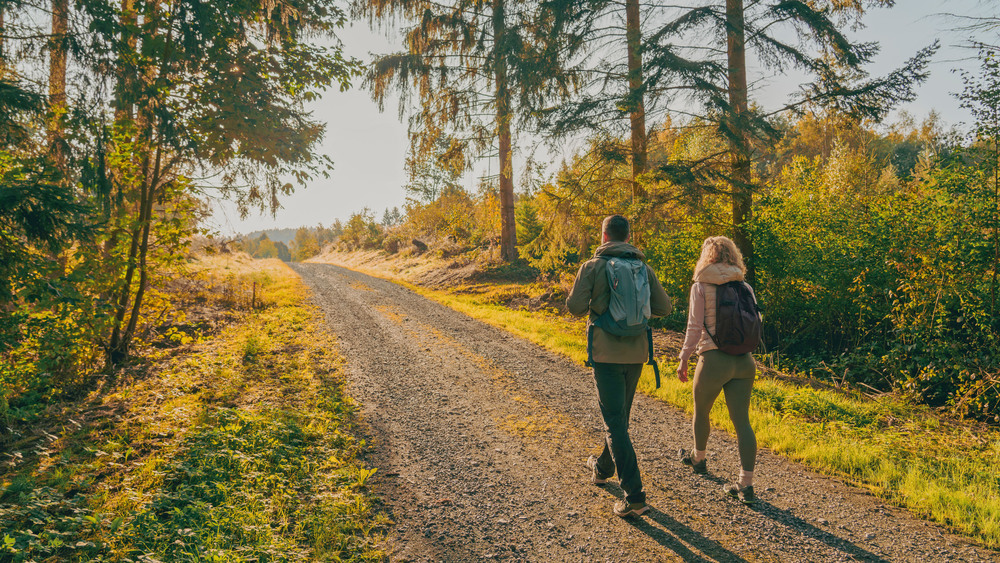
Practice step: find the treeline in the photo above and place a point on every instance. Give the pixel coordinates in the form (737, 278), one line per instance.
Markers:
(117, 119)
(307, 242)
(362, 231)
(874, 248)
(475, 77)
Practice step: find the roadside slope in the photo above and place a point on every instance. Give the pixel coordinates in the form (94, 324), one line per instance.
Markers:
(480, 438)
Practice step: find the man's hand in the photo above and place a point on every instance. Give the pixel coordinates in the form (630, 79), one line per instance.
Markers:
(682, 371)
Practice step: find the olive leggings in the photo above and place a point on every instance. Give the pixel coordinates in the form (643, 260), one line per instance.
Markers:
(719, 372)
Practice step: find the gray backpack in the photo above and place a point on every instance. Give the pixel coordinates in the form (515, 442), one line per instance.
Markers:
(628, 309)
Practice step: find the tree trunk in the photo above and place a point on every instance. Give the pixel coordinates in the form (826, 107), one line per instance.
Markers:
(129, 41)
(996, 219)
(147, 225)
(508, 230)
(118, 344)
(637, 106)
(57, 79)
(742, 191)
(130, 293)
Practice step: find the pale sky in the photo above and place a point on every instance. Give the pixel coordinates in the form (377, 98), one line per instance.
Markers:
(368, 148)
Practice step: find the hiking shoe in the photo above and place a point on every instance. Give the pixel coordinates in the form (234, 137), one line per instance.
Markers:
(687, 458)
(595, 473)
(745, 494)
(628, 509)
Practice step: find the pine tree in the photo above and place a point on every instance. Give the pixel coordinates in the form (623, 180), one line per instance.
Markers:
(835, 64)
(58, 55)
(468, 64)
(600, 47)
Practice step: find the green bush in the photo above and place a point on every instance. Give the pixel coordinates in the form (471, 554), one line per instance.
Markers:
(362, 232)
(893, 291)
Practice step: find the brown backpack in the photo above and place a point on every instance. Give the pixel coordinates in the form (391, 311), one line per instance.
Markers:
(738, 324)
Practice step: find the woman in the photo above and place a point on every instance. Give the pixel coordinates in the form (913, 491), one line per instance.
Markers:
(720, 263)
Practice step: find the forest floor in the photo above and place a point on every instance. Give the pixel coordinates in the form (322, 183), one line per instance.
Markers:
(480, 440)
(233, 441)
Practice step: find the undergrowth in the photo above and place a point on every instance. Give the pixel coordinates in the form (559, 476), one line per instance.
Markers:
(945, 470)
(237, 447)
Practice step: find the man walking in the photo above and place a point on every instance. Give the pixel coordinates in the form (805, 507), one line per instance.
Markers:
(618, 344)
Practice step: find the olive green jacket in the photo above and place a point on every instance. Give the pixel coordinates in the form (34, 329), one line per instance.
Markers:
(591, 294)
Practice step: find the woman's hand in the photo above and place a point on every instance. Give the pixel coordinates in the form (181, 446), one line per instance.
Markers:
(682, 371)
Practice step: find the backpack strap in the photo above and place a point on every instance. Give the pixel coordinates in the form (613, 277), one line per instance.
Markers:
(710, 335)
(590, 346)
(652, 360)
(590, 331)
(705, 321)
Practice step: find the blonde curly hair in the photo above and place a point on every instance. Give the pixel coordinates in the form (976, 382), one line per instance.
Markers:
(720, 249)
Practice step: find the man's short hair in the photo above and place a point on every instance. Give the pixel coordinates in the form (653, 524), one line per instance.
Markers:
(616, 227)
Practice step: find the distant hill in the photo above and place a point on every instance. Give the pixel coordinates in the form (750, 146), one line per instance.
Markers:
(277, 235)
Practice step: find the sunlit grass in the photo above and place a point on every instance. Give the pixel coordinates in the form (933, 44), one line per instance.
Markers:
(942, 470)
(560, 334)
(236, 448)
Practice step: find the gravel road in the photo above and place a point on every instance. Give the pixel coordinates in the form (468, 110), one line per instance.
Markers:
(481, 437)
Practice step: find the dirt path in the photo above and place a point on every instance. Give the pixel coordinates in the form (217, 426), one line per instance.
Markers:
(480, 439)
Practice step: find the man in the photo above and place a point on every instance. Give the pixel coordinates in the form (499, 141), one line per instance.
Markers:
(617, 361)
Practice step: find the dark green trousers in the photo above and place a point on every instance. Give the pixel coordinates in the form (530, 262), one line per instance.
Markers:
(615, 390)
(718, 372)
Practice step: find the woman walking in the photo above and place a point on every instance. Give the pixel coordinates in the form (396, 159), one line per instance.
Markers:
(717, 371)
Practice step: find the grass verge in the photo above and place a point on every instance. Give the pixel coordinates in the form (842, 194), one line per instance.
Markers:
(943, 470)
(238, 447)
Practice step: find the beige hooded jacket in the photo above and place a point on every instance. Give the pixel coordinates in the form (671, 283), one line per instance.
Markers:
(702, 306)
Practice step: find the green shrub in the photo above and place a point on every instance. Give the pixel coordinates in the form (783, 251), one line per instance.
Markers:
(362, 232)
(893, 291)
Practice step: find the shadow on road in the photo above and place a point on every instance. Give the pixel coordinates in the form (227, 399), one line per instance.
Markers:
(677, 537)
(800, 526)
(688, 544)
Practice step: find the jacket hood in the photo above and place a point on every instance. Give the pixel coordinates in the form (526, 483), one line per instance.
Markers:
(718, 274)
(612, 248)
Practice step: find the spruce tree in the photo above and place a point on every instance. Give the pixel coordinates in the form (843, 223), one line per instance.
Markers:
(720, 81)
(468, 66)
